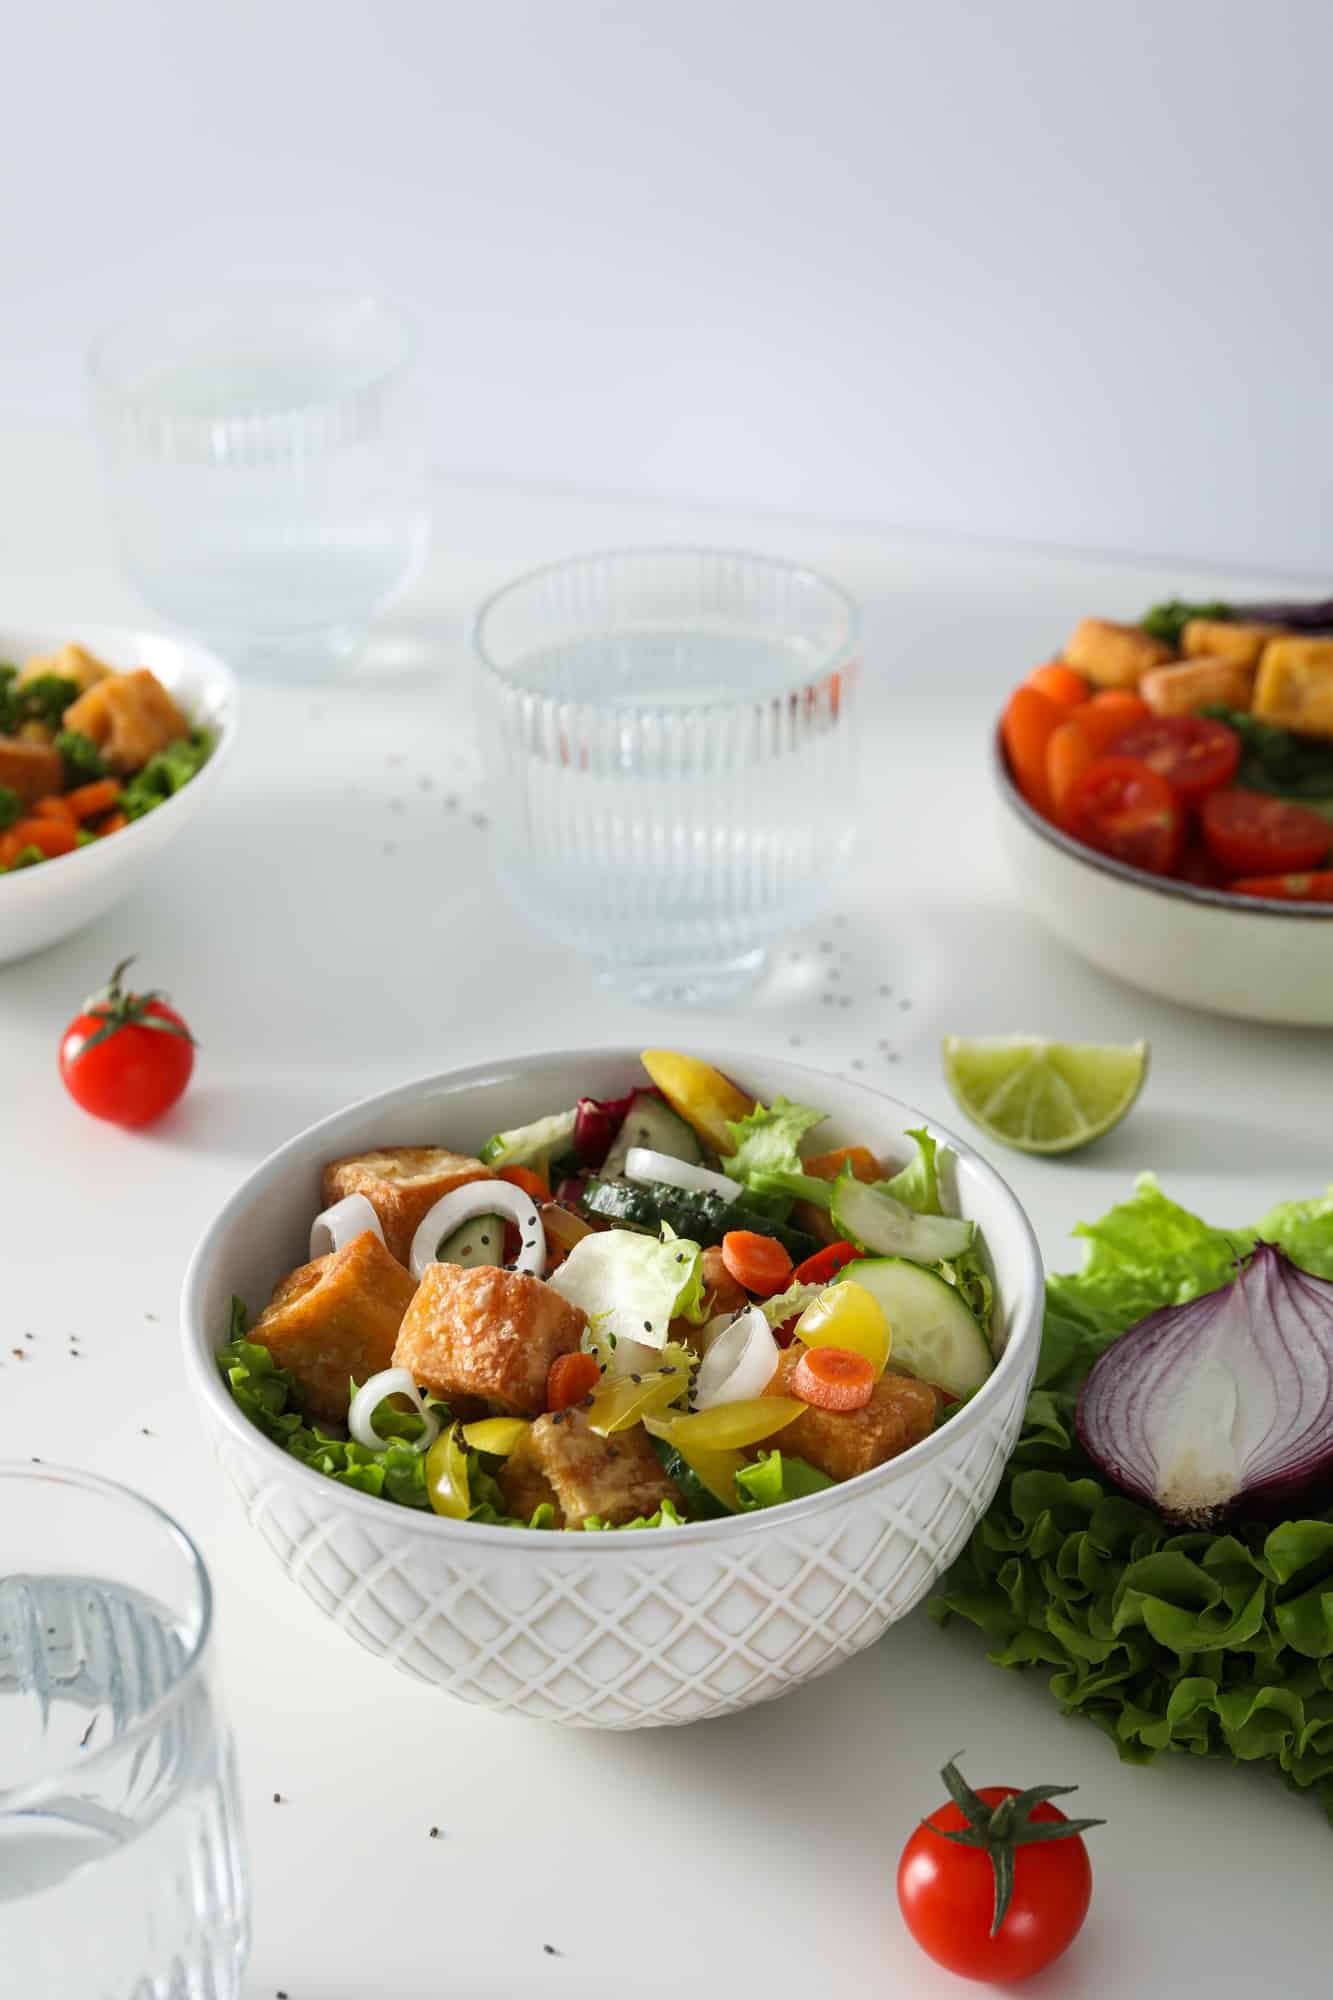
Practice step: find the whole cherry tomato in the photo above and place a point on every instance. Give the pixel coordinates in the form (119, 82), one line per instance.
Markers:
(128, 1056)
(997, 1883)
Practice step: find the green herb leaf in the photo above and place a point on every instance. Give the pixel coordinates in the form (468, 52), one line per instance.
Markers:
(1168, 621)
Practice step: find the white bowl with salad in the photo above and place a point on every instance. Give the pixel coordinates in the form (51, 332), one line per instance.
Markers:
(111, 741)
(1167, 795)
(616, 1391)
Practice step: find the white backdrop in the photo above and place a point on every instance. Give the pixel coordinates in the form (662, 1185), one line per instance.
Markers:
(1035, 269)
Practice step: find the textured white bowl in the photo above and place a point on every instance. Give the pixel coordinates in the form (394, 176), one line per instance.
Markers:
(1237, 955)
(615, 1630)
(39, 906)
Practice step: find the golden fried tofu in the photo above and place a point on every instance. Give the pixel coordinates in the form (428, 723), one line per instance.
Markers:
(1112, 655)
(1295, 685)
(722, 1294)
(1196, 684)
(334, 1319)
(401, 1183)
(808, 1215)
(30, 769)
(844, 1442)
(617, 1478)
(71, 663)
(130, 717)
(1225, 639)
(488, 1334)
(525, 1486)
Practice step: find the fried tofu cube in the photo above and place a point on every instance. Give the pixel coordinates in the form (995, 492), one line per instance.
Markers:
(843, 1443)
(722, 1294)
(336, 1318)
(30, 769)
(1225, 639)
(1196, 684)
(1295, 685)
(808, 1215)
(401, 1183)
(71, 663)
(130, 717)
(486, 1334)
(525, 1486)
(1112, 655)
(617, 1478)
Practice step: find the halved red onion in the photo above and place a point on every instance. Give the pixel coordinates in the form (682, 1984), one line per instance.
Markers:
(349, 1218)
(642, 1163)
(361, 1410)
(1221, 1404)
(490, 1197)
(739, 1362)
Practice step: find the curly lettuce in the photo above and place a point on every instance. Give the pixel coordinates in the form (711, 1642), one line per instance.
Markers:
(1219, 1644)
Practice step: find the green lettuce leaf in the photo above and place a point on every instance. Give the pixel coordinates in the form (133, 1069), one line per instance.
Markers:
(771, 1479)
(630, 1284)
(769, 1140)
(786, 1305)
(970, 1277)
(917, 1186)
(165, 774)
(665, 1517)
(1219, 1644)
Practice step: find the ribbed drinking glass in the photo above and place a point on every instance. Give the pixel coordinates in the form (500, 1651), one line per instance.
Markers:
(671, 740)
(121, 1868)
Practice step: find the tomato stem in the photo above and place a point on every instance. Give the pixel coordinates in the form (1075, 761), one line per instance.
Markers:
(116, 1009)
(1000, 1830)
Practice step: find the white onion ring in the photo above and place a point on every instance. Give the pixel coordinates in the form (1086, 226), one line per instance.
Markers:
(741, 1361)
(481, 1198)
(389, 1382)
(334, 1228)
(643, 1164)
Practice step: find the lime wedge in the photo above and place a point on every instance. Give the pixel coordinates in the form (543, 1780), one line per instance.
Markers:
(1040, 1096)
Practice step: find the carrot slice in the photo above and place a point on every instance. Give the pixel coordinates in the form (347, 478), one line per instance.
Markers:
(524, 1177)
(113, 823)
(54, 807)
(569, 1379)
(1068, 755)
(760, 1263)
(1108, 715)
(1061, 683)
(86, 801)
(52, 836)
(1029, 722)
(833, 1378)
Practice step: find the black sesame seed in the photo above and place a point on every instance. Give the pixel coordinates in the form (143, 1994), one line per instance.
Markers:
(647, 1326)
(551, 1951)
(435, 1833)
(485, 1242)
(668, 1370)
(277, 1798)
(636, 1378)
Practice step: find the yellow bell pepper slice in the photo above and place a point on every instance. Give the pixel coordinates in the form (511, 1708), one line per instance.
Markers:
(446, 1475)
(698, 1093)
(728, 1426)
(620, 1401)
(847, 1315)
(498, 1435)
(717, 1471)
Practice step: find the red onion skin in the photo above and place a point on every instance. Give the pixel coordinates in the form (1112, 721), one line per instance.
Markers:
(1306, 1476)
(598, 1120)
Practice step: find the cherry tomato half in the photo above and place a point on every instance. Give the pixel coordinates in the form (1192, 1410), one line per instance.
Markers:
(1193, 753)
(128, 1056)
(1306, 888)
(1124, 809)
(1253, 834)
(947, 1896)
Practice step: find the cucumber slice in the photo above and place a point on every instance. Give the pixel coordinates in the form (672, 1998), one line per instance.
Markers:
(652, 1123)
(934, 1334)
(874, 1221)
(481, 1241)
(705, 1218)
(527, 1145)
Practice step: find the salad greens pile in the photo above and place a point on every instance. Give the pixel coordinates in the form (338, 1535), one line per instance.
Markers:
(1216, 1643)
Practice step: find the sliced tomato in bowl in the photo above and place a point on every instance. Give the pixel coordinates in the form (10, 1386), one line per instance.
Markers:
(1304, 887)
(1129, 811)
(1195, 754)
(1251, 833)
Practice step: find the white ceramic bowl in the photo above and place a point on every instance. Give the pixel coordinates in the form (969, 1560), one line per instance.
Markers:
(612, 1630)
(1238, 955)
(39, 906)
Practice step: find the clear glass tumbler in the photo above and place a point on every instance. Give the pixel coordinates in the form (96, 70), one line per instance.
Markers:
(671, 740)
(266, 465)
(121, 1867)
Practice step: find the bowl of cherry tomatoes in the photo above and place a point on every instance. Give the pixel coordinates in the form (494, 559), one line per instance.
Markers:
(1145, 822)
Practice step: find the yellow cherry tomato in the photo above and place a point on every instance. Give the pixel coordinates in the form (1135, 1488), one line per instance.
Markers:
(698, 1093)
(849, 1316)
(728, 1426)
(446, 1475)
(621, 1400)
(498, 1435)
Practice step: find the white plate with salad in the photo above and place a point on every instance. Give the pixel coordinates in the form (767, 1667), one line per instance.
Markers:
(617, 1391)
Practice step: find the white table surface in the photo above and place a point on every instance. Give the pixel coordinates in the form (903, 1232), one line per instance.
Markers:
(330, 928)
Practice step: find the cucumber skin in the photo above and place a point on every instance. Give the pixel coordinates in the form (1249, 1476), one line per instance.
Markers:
(704, 1218)
(651, 1122)
(496, 1230)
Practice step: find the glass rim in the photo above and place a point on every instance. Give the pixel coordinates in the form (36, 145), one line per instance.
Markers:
(19, 1797)
(231, 296)
(839, 657)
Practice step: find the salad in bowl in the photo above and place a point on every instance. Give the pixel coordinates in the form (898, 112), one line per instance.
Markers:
(515, 1518)
(633, 1313)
